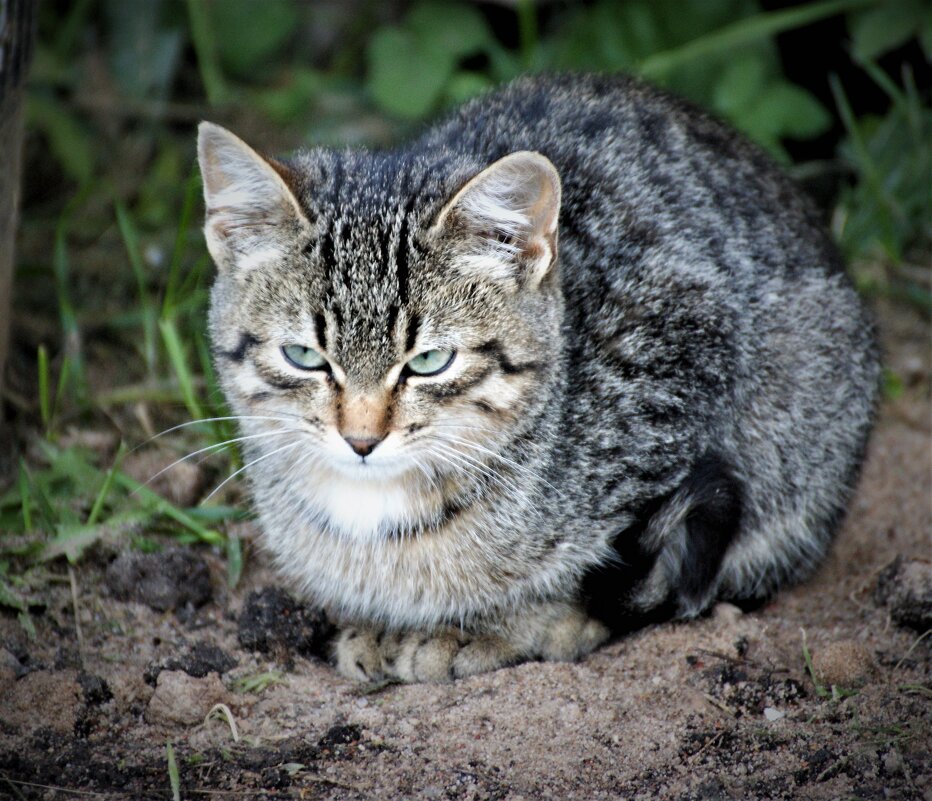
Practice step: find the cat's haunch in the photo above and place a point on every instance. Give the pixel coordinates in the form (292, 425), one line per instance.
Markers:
(577, 356)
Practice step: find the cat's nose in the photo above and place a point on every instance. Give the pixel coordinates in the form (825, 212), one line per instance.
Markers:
(362, 445)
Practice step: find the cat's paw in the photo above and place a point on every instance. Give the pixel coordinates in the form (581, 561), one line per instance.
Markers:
(571, 636)
(357, 654)
(367, 654)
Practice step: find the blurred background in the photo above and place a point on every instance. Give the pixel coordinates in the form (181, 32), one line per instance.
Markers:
(108, 346)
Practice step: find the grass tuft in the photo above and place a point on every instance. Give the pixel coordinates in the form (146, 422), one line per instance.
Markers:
(174, 777)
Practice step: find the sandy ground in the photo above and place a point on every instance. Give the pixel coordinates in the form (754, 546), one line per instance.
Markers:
(720, 708)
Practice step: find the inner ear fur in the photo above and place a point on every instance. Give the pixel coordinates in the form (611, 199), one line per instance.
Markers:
(510, 211)
(252, 214)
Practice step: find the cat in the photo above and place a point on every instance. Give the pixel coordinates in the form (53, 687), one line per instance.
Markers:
(577, 355)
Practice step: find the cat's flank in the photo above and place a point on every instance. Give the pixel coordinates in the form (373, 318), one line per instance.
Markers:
(578, 355)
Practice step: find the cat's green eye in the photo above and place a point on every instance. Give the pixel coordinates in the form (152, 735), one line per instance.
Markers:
(303, 358)
(430, 362)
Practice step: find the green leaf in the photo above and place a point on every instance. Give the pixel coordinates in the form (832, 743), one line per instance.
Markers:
(465, 85)
(69, 142)
(10, 599)
(791, 111)
(249, 33)
(892, 385)
(143, 59)
(405, 79)
(925, 36)
(286, 103)
(760, 26)
(740, 85)
(26, 622)
(879, 30)
(71, 541)
(454, 29)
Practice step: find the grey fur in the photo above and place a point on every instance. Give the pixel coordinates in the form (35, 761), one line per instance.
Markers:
(696, 307)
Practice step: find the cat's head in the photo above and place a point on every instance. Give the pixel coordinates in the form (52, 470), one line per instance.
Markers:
(401, 311)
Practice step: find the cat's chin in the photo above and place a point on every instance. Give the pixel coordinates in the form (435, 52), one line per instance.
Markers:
(366, 501)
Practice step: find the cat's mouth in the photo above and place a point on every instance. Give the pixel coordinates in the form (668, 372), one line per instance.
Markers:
(381, 462)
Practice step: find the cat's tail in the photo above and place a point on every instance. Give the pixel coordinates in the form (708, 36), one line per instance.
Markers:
(713, 542)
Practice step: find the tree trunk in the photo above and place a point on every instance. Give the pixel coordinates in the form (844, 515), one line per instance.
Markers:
(17, 34)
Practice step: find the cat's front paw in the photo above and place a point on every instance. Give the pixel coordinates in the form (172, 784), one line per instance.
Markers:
(357, 654)
(367, 654)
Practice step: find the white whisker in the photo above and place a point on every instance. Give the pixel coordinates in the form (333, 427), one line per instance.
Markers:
(217, 446)
(250, 464)
(517, 466)
(468, 463)
(215, 420)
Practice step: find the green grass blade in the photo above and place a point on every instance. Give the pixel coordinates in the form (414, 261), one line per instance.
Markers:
(194, 280)
(528, 37)
(234, 560)
(66, 311)
(64, 377)
(101, 498)
(191, 194)
(131, 243)
(868, 168)
(881, 78)
(751, 29)
(174, 778)
(25, 496)
(47, 517)
(159, 504)
(44, 395)
(222, 429)
(179, 364)
(205, 47)
(807, 657)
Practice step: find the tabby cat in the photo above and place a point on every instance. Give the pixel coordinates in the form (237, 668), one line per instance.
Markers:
(578, 356)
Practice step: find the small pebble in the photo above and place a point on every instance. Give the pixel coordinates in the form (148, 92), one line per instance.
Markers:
(844, 663)
(773, 714)
(892, 763)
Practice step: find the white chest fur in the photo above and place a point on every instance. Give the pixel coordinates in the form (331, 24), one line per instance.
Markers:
(364, 509)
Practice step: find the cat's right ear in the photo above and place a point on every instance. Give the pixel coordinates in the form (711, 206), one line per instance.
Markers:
(252, 216)
(507, 216)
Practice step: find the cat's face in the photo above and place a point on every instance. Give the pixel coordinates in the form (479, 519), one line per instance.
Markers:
(373, 333)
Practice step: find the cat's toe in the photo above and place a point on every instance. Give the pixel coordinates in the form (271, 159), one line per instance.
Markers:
(357, 654)
(573, 636)
(484, 654)
(427, 657)
(450, 655)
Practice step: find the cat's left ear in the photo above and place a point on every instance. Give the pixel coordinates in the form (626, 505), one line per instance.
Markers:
(508, 215)
(253, 217)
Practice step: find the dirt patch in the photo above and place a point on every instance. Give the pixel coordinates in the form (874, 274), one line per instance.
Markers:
(905, 588)
(200, 660)
(273, 622)
(177, 578)
(718, 708)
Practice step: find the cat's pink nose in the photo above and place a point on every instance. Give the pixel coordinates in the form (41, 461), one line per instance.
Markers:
(362, 445)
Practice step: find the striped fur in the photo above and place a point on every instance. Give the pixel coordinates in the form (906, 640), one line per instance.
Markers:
(662, 374)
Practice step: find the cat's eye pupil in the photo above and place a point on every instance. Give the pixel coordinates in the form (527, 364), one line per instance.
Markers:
(303, 357)
(430, 362)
